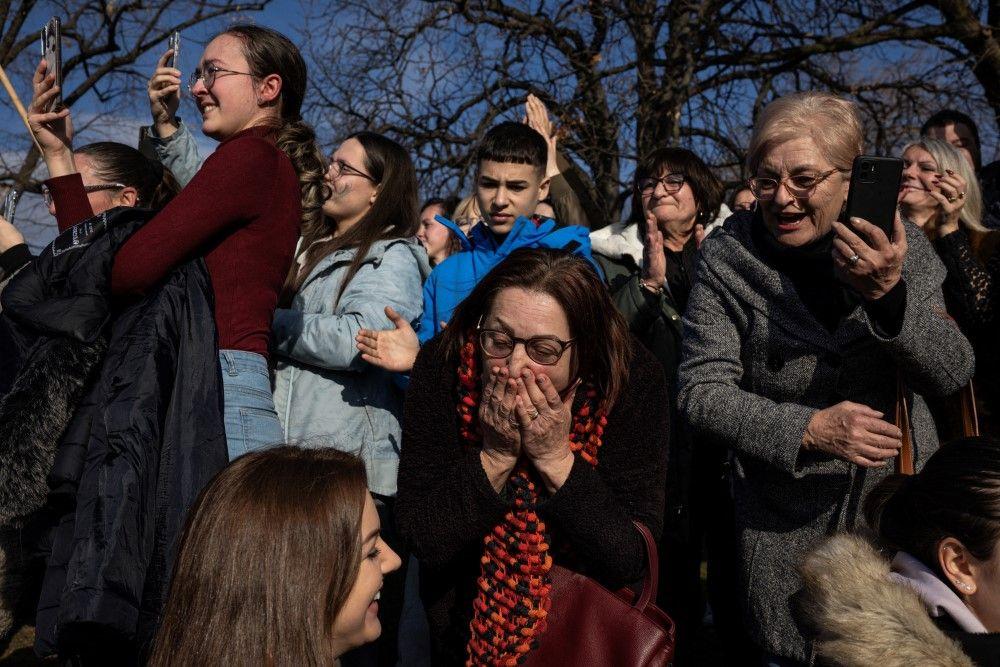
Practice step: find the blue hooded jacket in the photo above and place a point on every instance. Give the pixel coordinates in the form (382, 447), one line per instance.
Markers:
(453, 279)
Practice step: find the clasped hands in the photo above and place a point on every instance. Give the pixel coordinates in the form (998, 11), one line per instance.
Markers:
(525, 416)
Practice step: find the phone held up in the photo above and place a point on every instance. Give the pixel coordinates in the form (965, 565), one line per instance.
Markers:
(174, 45)
(874, 190)
(10, 204)
(52, 53)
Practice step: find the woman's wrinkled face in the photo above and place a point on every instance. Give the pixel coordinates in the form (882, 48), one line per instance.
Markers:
(919, 174)
(435, 237)
(352, 191)
(797, 221)
(525, 314)
(674, 211)
(357, 623)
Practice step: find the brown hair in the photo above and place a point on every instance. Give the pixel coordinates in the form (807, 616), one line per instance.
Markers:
(270, 553)
(269, 52)
(117, 163)
(602, 347)
(393, 214)
(956, 494)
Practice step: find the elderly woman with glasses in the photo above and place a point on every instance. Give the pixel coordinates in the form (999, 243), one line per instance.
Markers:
(799, 333)
(533, 434)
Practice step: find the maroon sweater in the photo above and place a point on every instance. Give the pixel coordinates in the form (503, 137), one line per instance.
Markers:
(241, 212)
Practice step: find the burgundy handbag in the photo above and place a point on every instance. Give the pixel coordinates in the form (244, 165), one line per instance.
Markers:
(590, 626)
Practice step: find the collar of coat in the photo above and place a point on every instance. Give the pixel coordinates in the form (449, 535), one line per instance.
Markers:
(863, 616)
(733, 265)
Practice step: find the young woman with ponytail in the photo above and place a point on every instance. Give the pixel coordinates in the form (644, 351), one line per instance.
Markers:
(241, 212)
(937, 601)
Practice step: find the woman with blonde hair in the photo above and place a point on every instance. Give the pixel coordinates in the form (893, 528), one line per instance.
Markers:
(940, 193)
(796, 331)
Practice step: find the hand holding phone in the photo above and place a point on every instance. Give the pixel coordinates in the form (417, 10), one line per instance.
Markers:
(164, 89)
(52, 53)
(874, 191)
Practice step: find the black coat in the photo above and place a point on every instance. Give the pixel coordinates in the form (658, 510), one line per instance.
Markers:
(144, 439)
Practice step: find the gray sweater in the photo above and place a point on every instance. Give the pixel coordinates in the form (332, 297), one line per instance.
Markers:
(755, 368)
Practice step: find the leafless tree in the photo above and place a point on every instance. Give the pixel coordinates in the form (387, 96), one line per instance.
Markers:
(622, 76)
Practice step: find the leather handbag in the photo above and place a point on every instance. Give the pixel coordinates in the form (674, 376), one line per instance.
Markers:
(970, 423)
(590, 626)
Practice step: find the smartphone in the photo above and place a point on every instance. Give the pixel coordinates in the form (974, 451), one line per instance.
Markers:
(10, 204)
(175, 45)
(52, 52)
(874, 190)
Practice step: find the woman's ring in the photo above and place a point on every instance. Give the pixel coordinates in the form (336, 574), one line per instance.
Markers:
(961, 195)
(533, 415)
(951, 200)
(854, 259)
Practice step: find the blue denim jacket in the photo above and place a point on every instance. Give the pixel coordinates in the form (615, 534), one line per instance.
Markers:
(323, 390)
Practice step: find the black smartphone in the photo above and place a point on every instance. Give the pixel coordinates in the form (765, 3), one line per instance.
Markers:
(874, 191)
(52, 52)
(175, 45)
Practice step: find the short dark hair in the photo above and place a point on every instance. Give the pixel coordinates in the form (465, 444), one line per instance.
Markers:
(705, 185)
(954, 117)
(513, 142)
(449, 204)
(603, 346)
(956, 494)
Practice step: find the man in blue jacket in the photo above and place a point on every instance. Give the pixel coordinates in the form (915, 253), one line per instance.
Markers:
(510, 181)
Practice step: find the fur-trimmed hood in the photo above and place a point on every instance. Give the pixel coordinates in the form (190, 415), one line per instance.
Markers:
(865, 617)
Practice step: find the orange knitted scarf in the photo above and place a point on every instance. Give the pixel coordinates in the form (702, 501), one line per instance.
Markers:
(514, 583)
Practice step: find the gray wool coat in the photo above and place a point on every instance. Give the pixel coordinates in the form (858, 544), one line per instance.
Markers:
(755, 368)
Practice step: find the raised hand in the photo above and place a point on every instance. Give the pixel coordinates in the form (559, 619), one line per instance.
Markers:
(654, 259)
(53, 129)
(537, 117)
(855, 433)
(950, 194)
(874, 267)
(392, 349)
(164, 90)
(9, 235)
(501, 434)
(545, 419)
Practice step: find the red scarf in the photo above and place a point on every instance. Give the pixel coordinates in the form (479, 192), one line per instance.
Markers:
(514, 583)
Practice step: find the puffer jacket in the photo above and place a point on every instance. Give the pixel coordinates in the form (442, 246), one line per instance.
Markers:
(864, 613)
(323, 390)
(139, 434)
(453, 279)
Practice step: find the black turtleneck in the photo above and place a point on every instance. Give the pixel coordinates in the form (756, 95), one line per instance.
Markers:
(811, 271)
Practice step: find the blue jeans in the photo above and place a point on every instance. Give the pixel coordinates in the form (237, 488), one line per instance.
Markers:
(250, 419)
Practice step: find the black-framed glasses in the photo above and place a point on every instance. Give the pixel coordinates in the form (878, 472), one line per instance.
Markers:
(544, 350)
(209, 75)
(799, 186)
(47, 196)
(672, 183)
(339, 168)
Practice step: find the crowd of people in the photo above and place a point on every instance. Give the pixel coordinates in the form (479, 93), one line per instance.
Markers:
(267, 408)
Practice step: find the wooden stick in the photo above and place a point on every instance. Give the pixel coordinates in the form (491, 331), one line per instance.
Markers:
(20, 107)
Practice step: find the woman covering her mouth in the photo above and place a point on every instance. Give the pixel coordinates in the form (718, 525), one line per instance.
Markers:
(281, 563)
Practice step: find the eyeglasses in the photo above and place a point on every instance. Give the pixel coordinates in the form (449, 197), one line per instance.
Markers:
(672, 183)
(799, 186)
(339, 168)
(47, 196)
(544, 350)
(209, 75)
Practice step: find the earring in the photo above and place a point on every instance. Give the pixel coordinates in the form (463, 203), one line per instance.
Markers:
(963, 586)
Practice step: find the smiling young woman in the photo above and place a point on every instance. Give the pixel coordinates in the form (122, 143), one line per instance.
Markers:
(281, 563)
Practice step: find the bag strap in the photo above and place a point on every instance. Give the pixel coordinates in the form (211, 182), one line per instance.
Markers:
(904, 462)
(970, 417)
(650, 583)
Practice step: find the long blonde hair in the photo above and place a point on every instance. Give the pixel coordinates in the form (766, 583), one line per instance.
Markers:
(947, 156)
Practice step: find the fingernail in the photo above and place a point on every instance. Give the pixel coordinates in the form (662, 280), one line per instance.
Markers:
(949, 171)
